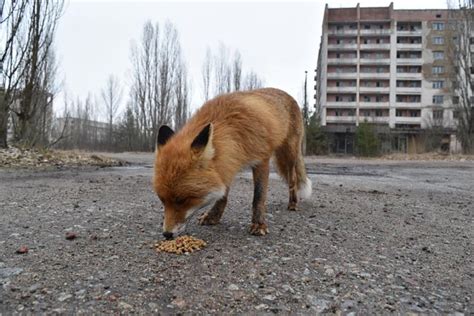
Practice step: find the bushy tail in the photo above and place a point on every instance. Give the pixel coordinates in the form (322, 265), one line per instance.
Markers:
(303, 182)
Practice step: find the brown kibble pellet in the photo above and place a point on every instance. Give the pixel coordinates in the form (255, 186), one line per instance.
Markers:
(180, 245)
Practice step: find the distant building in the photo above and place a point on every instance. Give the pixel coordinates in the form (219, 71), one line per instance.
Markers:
(86, 130)
(387, 67)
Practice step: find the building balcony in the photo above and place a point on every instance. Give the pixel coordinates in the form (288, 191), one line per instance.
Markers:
(341, 119)
(334, 104)
(409, 90)
(408, 46)
(342, 61)
(409, 61)
(375, 61)
(374, 105)
(408, 105)
(375, 46)
(342, 75)
(376, 32)
(409, 76)
(409, 33)
(374, 119)
(342, 89)
(363, 89)
(374, 75)
(342, 46)
(344, 32)
(408, 119)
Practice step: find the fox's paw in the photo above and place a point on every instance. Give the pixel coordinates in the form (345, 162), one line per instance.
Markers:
(259, 229)
(292, 207)
(206, 219)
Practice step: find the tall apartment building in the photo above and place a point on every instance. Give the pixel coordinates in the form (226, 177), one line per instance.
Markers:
(387, 67)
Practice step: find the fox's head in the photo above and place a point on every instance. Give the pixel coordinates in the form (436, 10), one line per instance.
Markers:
(185, 179)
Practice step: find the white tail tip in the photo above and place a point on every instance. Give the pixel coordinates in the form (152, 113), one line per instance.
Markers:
(304, 191)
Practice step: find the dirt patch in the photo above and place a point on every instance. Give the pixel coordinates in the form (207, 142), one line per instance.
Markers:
(34, 159)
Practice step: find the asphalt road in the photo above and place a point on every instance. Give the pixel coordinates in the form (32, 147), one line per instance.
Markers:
(375, 237)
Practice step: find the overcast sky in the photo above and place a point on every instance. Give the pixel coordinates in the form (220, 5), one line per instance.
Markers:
(278, 40)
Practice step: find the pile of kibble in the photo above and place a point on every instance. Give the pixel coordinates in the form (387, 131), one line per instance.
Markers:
(180, 245)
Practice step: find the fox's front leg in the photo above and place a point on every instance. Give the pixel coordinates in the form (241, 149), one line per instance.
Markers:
(260, 181)
(213, 216)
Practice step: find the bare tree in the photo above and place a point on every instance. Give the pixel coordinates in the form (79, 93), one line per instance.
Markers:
(237, 70)
(206, 72)
(182, 95)
(12, 18)
(157, 65)
(461, 53)
(222, 71)
(38, 67)
(252, 81)
(111, 97)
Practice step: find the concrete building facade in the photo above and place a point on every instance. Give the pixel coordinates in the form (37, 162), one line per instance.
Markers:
(387, 67)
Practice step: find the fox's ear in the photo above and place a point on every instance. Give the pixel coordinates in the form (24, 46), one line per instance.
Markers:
(164, 134)
(202, 144)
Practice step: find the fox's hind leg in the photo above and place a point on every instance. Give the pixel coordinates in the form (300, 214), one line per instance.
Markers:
(260, 181)
(286, 156)
(213, 216)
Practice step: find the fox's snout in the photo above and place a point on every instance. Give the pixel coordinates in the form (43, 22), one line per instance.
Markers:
(168, 235)
(169, 232)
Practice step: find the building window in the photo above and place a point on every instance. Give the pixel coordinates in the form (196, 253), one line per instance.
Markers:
(438, 26)
(455, 114)
(378, 113)
(438, 69)
(438, 55)
(455, 99)
(437, 114)
(438, 40)
(438, 84)
(438, 99)
(438, 16)
(414, 113)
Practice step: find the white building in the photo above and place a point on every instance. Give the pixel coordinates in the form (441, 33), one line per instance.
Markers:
(387, 67)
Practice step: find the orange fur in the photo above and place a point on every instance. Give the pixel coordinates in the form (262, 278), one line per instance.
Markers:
(247, 128)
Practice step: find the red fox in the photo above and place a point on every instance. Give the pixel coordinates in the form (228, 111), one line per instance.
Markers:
(194, 167)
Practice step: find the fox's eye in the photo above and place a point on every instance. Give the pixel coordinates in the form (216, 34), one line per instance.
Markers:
(180, 201)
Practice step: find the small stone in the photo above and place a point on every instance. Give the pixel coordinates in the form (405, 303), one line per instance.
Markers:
(329, 272)
(320, 305)
(22, 250)
(64, 296)
(124, 305)
(71, 235)
(179, 302)
(306, 271)
(261, 306)
(288, 288)
(33, 288)
(269, 297)
(233, 287)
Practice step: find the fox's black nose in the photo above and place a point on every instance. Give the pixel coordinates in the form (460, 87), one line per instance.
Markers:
(168, 235)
